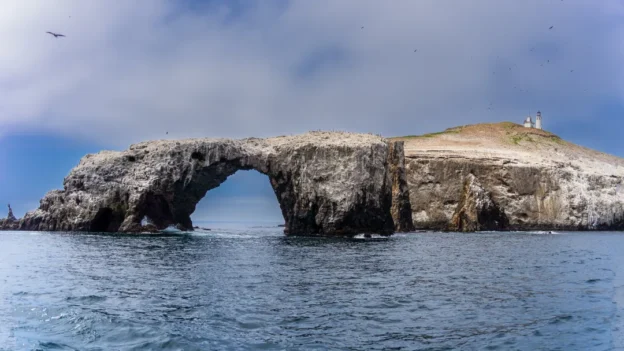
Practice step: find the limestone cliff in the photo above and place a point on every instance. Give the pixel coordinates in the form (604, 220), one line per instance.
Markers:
(537, 180)
(325, 183)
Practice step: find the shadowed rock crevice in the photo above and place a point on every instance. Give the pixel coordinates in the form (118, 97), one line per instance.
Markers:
(325, 183)
(476, 210)
(106, 220)
(401, 208)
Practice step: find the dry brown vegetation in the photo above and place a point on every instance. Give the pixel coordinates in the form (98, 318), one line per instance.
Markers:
(510, 141)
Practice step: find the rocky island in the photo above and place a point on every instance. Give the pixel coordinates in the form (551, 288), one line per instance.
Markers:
(471, 178)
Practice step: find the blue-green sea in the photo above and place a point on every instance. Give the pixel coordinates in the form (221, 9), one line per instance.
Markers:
(256, 289)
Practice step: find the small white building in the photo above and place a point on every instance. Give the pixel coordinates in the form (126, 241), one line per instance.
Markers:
(528, 123)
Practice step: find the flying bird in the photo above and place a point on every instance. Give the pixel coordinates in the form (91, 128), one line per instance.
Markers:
(551, 27)
(362, 27)
(56, 35)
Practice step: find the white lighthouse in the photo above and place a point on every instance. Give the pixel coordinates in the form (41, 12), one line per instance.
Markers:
(538, 120)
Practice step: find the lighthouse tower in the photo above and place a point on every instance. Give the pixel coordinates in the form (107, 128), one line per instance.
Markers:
(538, 120)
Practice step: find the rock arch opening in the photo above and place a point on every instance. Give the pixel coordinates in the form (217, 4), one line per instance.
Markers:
(245, 198)
(174, 201)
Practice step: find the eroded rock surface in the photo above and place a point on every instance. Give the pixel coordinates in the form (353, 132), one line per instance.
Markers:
(325, 183)
(476, 211)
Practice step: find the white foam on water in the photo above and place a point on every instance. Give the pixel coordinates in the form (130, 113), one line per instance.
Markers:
(369, 236)
(234, 233)
(171, 229)
(543, 232)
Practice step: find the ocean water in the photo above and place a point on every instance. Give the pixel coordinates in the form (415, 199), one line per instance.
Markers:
(255, 289)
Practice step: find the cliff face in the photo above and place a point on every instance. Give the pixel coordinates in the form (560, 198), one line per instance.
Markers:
(536, 180)
(325, 183)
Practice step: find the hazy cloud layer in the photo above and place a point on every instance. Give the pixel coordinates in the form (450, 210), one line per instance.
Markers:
(132, 70)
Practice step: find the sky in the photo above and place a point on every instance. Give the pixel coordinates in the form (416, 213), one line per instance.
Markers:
(129, 71)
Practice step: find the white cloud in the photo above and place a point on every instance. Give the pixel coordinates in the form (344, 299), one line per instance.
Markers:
(131, 70)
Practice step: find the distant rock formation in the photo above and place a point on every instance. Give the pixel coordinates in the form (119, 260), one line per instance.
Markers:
(325, 183)
(10, 216)
(9, 223)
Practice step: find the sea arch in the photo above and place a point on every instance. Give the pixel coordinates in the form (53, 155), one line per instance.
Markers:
(325, 184)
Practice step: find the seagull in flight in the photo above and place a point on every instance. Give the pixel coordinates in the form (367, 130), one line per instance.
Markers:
(551, 27)
(56, 35)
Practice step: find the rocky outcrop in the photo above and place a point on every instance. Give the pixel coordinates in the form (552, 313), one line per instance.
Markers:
(10, 222)
(11, 216)
(476, 211)
(325, 183)
(537, 180)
